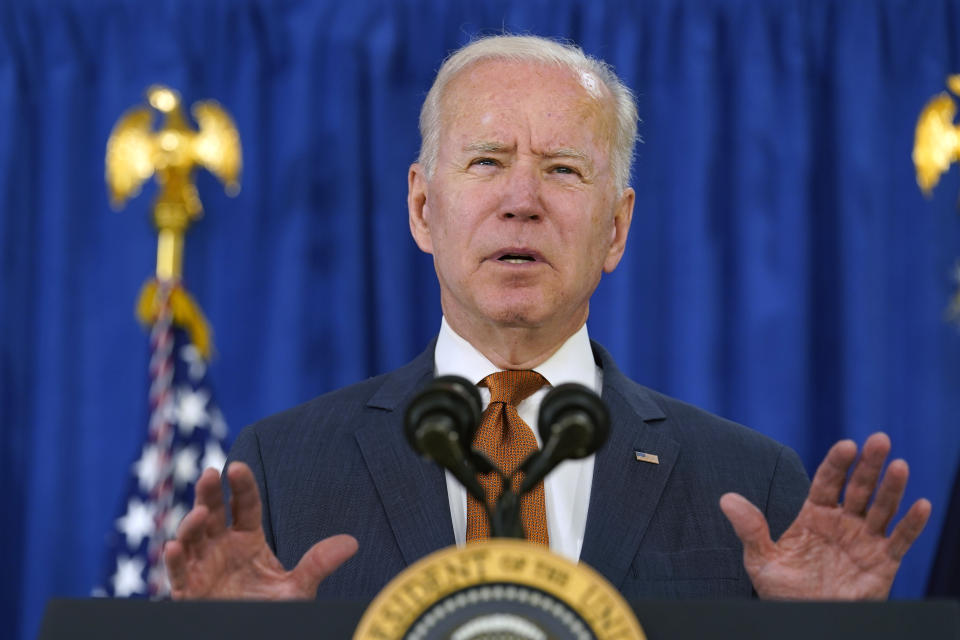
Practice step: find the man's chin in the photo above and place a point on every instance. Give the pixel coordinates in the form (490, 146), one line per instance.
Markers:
(517, 316)
(507, 309)
(516, 321)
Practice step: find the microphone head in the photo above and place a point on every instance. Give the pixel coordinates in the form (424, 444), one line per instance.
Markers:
(468, 395)
(577, 416)
(449, 404)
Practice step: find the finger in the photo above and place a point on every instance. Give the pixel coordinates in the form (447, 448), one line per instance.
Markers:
(863, 481)
(209, 492)
(192, 532)
(749, 525)
(176, 561)
(909, 528)
(244, 497)
(321, 560)
(828, 480)
(887, 502)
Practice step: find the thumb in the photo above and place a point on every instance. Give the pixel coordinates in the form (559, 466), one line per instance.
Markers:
(748, 523)
(321, 560)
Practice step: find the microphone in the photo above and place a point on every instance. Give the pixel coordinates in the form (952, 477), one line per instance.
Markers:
(440, 423)
(573, 423)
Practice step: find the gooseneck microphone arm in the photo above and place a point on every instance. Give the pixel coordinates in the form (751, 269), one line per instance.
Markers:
(436, 436)
(440, 423)
(573, 423)
(505, 515)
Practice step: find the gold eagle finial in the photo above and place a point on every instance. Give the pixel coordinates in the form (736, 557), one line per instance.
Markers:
(936, 146)
(135, 152)
(936, 143)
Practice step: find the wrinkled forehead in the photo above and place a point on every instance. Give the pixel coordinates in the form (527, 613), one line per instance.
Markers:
(495, 86)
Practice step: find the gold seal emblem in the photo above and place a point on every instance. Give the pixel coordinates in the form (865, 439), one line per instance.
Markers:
(502, 588)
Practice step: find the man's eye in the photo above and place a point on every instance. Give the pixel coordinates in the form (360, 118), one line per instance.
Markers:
(484, 162)
(565, 169)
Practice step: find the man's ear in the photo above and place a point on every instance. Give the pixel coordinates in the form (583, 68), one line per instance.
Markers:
(622, 216)
(417, 207)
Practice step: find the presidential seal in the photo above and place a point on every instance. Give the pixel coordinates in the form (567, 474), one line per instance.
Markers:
(501, 589)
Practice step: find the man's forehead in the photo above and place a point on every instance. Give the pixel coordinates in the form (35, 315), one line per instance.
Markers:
(497, 78)
(480, 99)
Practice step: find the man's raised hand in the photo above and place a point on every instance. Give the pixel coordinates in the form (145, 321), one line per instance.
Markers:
(210, 560)
(834, 550)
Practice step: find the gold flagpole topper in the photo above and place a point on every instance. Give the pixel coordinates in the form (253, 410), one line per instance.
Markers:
(135, 152)
(936, 145)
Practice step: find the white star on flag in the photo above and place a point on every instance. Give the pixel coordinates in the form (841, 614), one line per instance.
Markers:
(137, 523)
(191, 409)
(147, 468)
(128, 579)
(196, 366)
(185, 466)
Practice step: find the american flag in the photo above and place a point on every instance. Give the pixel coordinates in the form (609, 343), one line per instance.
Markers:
(186, 434)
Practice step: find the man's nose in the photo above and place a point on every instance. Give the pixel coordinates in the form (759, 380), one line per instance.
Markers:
(522, 197)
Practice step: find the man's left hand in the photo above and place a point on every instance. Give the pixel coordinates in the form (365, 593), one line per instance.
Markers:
(834, 550)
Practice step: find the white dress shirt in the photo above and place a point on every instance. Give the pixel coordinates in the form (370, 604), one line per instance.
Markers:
(567, 488)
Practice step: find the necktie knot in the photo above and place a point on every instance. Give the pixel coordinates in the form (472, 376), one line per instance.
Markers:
(513, 387)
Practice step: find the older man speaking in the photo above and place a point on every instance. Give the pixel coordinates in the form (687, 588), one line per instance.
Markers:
(521, 195)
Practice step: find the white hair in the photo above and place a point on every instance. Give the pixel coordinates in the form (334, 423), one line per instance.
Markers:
(536, 50)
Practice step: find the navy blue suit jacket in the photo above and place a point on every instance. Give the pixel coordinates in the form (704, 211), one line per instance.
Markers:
(341, 464)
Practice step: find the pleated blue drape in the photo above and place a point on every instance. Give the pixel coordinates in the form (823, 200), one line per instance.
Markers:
(782, 270)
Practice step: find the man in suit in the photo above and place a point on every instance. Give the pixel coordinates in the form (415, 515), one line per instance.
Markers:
(521, 196)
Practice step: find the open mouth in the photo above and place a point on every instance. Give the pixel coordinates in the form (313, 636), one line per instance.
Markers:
(516, 258)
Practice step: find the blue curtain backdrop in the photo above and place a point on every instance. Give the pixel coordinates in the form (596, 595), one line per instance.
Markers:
(783, 269)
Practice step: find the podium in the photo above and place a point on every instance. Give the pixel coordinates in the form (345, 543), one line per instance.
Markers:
(104, 619)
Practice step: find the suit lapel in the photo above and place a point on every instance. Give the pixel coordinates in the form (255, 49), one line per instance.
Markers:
(625, 491)
(412, 491)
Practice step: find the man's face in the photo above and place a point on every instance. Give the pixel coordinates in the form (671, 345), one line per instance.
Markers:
(521, 214)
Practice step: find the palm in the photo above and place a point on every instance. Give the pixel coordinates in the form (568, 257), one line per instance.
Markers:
(210, 560)
(241, 565)
(833, 550)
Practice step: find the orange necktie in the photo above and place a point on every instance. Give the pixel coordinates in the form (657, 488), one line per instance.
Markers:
(507, 440)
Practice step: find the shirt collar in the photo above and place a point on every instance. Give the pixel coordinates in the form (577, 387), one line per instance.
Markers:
(572, 362)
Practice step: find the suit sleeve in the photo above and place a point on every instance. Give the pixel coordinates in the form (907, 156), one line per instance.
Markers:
(788, 490)
(247, 449)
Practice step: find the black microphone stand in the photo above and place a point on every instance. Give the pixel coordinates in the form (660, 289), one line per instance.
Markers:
(440, 423)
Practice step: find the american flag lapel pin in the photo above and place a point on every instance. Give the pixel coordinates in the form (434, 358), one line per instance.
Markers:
(644, 456)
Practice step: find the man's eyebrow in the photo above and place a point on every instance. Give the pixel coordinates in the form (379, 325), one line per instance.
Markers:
(484, 146)
(569, 152)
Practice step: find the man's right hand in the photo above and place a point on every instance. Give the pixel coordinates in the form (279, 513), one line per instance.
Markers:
(207, 559)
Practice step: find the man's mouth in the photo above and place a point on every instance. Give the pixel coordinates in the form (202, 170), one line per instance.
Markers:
(516, 258)
(518, 255)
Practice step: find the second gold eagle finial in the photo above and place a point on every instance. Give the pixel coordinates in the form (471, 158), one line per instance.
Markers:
(936, 142)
